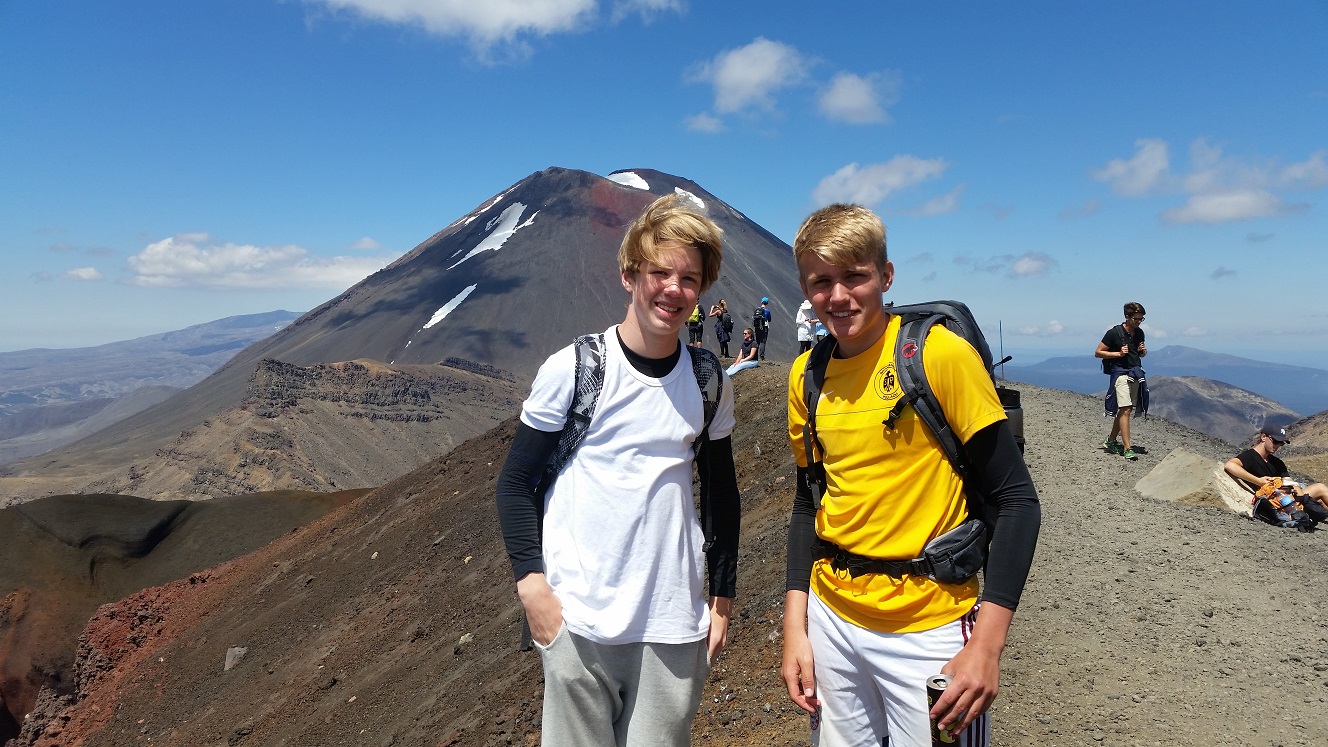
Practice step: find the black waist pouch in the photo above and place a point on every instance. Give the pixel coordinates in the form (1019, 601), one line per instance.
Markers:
(959, 554)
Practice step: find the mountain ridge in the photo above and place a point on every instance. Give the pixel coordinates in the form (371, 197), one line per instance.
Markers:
(504, 285)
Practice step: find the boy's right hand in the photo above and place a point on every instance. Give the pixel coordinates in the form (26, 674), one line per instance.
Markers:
(798, 671)
(544, 611)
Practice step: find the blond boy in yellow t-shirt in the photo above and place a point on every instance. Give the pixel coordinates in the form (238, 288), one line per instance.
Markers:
(859, 648)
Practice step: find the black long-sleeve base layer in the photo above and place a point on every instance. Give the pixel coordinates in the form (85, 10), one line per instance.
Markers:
(521, 511)
(1011, 500)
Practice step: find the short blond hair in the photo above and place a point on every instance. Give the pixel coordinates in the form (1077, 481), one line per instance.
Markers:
(842, 235)
(672, 219)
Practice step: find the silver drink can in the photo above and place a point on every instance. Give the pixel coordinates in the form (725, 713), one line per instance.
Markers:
(936, 685)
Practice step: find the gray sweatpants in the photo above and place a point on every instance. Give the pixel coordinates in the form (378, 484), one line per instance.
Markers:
(624, 695)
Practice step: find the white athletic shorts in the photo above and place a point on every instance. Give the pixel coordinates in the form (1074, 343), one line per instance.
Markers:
(873, 686)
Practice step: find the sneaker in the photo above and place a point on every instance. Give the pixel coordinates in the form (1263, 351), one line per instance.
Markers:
(1112, 447)
(1129, 454)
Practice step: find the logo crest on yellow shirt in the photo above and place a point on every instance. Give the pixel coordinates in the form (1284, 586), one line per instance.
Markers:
(887, 383)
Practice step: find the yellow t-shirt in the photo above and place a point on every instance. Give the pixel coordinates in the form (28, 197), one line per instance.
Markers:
(890, 491)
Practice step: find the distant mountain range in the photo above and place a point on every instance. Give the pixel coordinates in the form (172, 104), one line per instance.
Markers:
(1212, 407)
(51, 397)
(1300, 389)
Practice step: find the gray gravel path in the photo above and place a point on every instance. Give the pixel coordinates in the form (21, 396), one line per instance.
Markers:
(1147, 623)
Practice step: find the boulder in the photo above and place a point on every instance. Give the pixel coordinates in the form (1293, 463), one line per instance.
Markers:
(1188, 478)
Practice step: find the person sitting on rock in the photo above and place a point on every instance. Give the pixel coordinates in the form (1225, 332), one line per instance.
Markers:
(1258, 465)
(747, 356)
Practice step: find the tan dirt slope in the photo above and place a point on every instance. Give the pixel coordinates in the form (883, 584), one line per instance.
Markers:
(325, 427)
(394, 622)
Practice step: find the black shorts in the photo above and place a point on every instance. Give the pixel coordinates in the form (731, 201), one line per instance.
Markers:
(694, 332)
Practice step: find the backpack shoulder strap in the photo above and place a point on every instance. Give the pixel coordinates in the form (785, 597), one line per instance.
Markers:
(589, 382)
(813, 379)
(917, 389)
(710, 378)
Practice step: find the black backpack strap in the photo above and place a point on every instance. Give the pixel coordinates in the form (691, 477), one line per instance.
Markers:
(813, 379)
(918, 392)
(917, 389)
(710, 378)
(587, 385)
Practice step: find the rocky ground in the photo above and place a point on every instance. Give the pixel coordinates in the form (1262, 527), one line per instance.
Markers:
(393, 621)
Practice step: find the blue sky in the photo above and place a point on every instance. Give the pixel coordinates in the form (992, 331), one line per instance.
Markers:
(166, 163)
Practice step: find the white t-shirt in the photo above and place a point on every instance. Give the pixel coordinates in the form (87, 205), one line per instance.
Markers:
(805, 331)
(622, 542)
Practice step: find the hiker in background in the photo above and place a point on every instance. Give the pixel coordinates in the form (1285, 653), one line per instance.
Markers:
(859, 641)
(1122, 349)
(723, 326)
(761, 326)
(746, 356)
(611, 571)
(1258, 465)
(806, 323)
(696, 327)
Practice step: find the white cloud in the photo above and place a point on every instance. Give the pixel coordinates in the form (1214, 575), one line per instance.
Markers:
(1312, 173)
(1032, 263)
(858, 99)
(747, 78)
(494, 23)
(705, 122)
(81, 273)
(1145, 172)
(1228, 206)
(484, 23)
(1156, 333)
(1052, 327)
(1025, 265)
(873, 183)
(1195, 332)
(941, 204)
(1218, 188)
(367, 244)
(645, 8)
(194, 260)
(1222, 272)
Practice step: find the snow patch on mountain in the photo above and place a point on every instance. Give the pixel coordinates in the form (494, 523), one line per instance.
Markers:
(630, 179)
(448, 308)
(502, 227)
(689, 196)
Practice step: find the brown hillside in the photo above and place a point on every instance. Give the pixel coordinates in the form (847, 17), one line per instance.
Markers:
(394, 621)
(320, 428)
(1213, 407)
(64, 556)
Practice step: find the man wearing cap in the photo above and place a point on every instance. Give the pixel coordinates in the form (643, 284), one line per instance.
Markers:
(761, 326)
(1257, 466)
